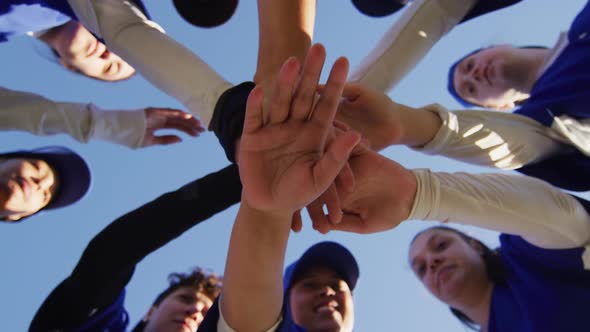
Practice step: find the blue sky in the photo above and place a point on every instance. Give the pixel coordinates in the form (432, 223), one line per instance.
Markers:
(38, 254)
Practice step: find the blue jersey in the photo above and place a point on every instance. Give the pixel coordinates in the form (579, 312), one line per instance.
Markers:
(547, 290)
(564, 89)
(112, 319)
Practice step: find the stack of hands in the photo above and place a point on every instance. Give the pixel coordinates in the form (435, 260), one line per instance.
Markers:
(295, 155)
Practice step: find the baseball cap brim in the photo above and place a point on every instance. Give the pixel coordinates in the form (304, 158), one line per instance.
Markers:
(483, 7)
(326, 254)
(72, 172)
(378, 8)
(206, 13)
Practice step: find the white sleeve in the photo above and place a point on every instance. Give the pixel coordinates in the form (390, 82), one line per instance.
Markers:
(165, 63)
(83, 122)
(409, 39)
(490, 138)
(514, 204)
(223, 326)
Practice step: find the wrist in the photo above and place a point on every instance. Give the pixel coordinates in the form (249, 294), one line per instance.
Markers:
(274, 216)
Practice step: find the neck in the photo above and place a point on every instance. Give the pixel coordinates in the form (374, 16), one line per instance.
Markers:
(478, 307)
(536, 58)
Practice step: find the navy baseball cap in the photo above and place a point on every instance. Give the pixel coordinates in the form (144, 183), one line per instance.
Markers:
(379, 8)
(206, 13)
(72, 172)
(325, 254)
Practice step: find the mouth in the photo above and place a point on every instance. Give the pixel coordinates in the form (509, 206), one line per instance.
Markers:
(326, 307)
(185, 326)
(488, 73)
(443, 274)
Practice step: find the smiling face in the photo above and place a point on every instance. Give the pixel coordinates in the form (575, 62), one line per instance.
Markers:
(79, 50)
(183, 310)
(450, 267)
(321, 300)
(495, 77)
(26, 186)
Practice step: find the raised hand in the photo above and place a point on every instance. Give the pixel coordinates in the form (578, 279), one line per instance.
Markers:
(287, 160)
(168, 118)
(384, 122)
(383, 196)
(371, 113)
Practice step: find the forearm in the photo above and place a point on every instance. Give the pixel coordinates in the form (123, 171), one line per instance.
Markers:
(418, 126)
(410, 38)
(488, 138)
(533, 209)
(254, 270)
(161, 60)
(83, 122)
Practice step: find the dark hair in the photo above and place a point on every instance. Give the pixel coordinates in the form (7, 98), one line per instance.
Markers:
(495, 269)
(209, 284)
(451, 73)
(204, 282)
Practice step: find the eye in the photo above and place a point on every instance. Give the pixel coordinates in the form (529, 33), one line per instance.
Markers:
(186, 298)
(442, 245)
(469, 65)
(311, 284)
(470, 89)
(420, 270)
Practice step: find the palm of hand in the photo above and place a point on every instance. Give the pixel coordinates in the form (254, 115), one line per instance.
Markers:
(277, 165)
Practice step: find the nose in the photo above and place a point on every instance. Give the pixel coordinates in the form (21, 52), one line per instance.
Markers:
(328, 291)
(197, 311)
(434, 263)
(43, 182)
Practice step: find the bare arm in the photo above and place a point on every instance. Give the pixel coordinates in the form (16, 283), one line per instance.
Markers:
(285, 163)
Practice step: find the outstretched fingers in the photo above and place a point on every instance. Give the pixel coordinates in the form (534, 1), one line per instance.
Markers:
(254, 118)
(280, 102)
(304, 97)
(325, 110)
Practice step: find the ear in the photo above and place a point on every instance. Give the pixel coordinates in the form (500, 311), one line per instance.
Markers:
(149, 313)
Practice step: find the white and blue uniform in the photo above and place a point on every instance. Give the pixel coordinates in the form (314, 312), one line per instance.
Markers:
(19, 17)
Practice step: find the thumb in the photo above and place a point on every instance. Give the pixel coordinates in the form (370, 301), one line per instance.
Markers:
(351, 91)
(350, 223)
(331, 163)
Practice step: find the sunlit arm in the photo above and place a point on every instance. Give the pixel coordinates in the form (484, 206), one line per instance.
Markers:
(514, 204)
(489, 138)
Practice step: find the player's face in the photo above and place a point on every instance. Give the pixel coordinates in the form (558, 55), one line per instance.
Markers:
(26, 186)
(489, 77)
(181, 311)
(451, 268)
(79, 50)
(321, 301)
